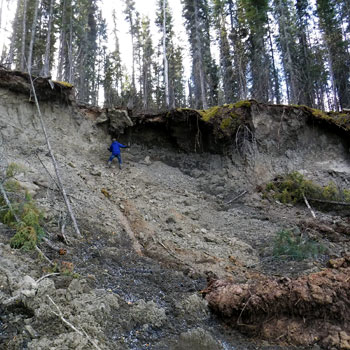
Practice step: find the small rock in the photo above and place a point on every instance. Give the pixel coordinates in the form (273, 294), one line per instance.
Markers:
(72, 165)
(170, 220)
(30, 187)
(32, 333)
(105, 193)
(203, 230)
(96, 172)
(147, 160)
(148, 313)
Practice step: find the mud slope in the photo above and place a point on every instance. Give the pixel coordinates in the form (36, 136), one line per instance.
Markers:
(153, 232)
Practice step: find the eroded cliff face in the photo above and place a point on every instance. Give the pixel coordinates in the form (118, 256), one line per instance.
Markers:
(185, 207)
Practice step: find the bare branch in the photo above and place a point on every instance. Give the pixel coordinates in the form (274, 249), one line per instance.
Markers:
(7, 201)
(60, 183)
(308, 205)
(46, 276)
(70, 325)
(43, 255)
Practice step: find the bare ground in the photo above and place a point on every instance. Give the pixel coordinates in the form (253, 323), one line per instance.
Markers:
(152, 235)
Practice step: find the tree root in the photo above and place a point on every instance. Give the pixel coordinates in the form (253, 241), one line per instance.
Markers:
(309, 309)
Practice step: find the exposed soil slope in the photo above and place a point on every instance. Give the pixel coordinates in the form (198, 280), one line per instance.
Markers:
(153, 232)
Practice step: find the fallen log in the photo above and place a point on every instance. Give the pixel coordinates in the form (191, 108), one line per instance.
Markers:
(303, 311)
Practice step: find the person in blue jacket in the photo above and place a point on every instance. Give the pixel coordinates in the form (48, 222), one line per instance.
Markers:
(115, 149)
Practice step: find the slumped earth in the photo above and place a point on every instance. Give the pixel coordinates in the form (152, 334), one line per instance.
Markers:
(156, 232)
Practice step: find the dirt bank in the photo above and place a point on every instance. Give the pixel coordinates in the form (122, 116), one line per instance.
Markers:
(153, 232)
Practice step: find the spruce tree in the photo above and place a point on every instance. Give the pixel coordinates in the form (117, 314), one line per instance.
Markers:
(130, 14)
(239, 33)
(147, 55)
(173, 85)
(112, 83)
(305, 62)
(256, 15)
(204, 69)
(229, 83)
(287, 32)
(338, 57)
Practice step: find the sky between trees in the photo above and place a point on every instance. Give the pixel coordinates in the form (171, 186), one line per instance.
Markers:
(152, 55)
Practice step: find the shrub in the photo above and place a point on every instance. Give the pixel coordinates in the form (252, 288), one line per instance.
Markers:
(293, 246)
(28, 230)
(292, 187)
(24, 217)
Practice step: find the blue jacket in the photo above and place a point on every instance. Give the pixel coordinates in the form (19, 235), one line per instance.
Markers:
(115, 147)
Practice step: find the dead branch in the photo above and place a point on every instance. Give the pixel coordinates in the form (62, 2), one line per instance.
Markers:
(239, 196)
(70, 325)
(51, 245)
(7, 201)
(309, 207)
(54, 162)
(168, 250)
(43, 255)
(47, 170)
(46, 276)
(347, 204)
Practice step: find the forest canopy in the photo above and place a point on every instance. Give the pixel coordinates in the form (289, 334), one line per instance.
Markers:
(276, 51)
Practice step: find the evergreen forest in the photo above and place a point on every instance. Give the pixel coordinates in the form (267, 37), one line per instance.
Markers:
(275, 51)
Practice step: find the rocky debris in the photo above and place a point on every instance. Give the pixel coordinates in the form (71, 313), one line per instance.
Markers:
(153, 231)
(148, 313)
(95, 172)
(335, 230)
(147, 160)
(307, 310)
(194, 308)
(197, 339)
(118, 120)
(87, 310)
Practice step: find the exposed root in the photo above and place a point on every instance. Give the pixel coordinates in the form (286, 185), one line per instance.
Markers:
(302, 311)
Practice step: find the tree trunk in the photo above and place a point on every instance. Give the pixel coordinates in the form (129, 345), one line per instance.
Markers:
(334, 88)
(23, 44)
(166, 77)
(133, 56)
(46, 67)
(1, 6)
(31, 44)
(200, 58)
(275, 73)
(70, 50)
(63, 46)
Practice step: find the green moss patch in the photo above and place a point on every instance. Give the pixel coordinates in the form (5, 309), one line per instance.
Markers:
(339, 119)
(226, 123)
(243, 103)
(64, 84)
(210, 113)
